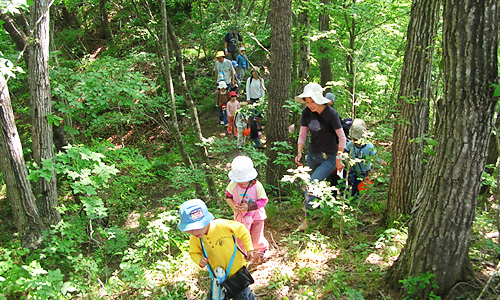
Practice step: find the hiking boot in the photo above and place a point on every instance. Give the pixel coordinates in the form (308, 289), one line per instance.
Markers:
(303, 226)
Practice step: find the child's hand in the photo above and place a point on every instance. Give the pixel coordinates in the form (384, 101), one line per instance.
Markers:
(252, 256)
(203, 262)
(243, 207)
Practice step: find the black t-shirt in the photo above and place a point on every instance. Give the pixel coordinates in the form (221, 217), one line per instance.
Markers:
(232, 41)
(322, 127)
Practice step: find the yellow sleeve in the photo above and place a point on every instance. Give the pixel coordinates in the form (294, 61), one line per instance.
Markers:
(242, 233)
(195, 250)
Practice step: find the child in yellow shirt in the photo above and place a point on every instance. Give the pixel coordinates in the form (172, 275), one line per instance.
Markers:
(217, 239)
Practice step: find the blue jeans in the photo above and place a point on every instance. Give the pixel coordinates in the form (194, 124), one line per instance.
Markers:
(246, 294)
(356, 178)
(256, 142)
(222, 115)
(321, 167)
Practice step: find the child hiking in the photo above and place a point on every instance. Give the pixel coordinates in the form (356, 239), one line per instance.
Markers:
(221, 101)
(232, 106)
(212, 245)
(241, 123)
(361, 153)
(247, 197)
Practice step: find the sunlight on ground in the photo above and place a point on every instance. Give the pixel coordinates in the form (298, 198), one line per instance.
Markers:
(132, 220)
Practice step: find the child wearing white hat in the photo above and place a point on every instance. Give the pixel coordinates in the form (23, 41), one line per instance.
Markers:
(247, 197)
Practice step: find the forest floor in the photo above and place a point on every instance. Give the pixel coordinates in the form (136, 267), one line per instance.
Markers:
(302, 265)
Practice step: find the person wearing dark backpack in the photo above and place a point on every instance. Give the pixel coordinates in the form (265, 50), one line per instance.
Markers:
(232, 43)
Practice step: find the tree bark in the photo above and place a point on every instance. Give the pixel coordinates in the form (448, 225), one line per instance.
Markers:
(413, 101)
(279, 90)
(105, 32)
(439, 232)
(41, 108)
(16, 33)
(325, 66)
(174, 124)
(202, 150)
(304, 46)
(21, 198)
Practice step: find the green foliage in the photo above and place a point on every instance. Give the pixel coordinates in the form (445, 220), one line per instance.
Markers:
(45, 171)
(85, 170)
(429, 144)
(422, 284)
(101, 94)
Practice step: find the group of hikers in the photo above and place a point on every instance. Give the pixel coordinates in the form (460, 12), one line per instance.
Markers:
(230, 70)
(225, 247)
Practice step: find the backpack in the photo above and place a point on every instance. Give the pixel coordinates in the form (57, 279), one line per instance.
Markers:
(346, 125)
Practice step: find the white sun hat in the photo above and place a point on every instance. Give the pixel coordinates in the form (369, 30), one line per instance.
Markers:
(315, 92)
(242, 169)
(222, 85)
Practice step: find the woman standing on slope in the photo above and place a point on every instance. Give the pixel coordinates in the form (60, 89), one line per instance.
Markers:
(327, 140)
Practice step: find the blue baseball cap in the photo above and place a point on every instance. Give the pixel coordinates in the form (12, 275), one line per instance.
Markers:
(194, 215)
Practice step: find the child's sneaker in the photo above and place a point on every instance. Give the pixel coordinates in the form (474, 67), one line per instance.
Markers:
(229, 133)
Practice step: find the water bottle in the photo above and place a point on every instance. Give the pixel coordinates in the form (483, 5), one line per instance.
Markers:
(217, 291)
(221, 76)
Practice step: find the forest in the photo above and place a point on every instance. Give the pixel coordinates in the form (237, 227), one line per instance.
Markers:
(109, 122)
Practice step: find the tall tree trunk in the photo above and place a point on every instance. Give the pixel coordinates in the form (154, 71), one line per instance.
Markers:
(105, 32)
(413, 101)
(325, 66)
(304, 46)
(202, 150)
(41, 108)
(21, 198)
(439, 232)
(279, 90)
(174, 123)
(237, 8)
(250, 8)
(350, 62)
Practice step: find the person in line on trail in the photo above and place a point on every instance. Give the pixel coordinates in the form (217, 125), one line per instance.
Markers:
(347, 122)
(334, 177)
(323, 155)
(247, 197)
(362, 153)
(241, 123)
(255, 87)
(224, 70)
(221, 102)
(256, 131)
(237, 79)
(242, 61)
(212, 243)
(232, 106)
(232, 43)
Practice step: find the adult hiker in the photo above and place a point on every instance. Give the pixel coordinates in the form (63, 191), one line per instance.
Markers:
(224, 70)
(232, 43)
(255, 87)
(323, 152)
